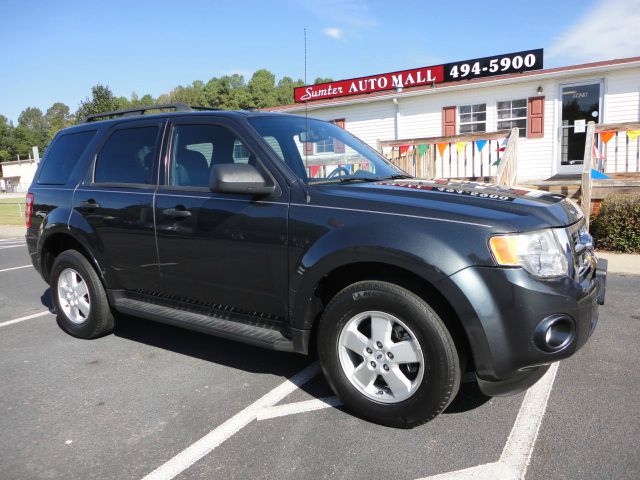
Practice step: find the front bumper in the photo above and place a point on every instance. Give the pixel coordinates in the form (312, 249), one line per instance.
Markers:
(502, 308)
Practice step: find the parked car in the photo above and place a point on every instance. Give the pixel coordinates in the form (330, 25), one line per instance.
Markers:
(289, 233)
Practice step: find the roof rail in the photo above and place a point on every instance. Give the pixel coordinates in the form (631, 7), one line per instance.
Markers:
(130, 112)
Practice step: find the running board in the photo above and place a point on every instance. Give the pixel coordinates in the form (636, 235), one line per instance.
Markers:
(260, 336)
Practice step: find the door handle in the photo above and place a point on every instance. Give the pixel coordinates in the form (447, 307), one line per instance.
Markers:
(178, 212)
(90, 204)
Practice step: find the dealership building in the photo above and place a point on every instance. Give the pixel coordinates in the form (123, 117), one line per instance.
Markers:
(451, 106)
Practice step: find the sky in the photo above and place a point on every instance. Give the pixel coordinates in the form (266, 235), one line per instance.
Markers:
(57, 50)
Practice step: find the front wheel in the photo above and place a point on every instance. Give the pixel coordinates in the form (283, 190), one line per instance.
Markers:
(388, 355)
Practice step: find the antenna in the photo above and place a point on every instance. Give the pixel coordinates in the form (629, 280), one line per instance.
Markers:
(306, 116)
(306, 104)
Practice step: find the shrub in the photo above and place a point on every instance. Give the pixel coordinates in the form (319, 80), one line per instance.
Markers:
(617, 226)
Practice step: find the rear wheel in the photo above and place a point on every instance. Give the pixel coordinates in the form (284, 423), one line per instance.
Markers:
(79, 297)
(388, 355)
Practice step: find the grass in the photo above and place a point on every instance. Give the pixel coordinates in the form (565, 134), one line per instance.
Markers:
(11, 211)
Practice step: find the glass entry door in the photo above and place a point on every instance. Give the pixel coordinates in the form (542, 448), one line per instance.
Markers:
(580, 105)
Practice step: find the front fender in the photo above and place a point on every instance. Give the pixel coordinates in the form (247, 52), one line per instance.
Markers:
(431, 253)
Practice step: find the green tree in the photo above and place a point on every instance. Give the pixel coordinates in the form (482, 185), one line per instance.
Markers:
(143, 101)
(322, 80)
(262, 89)
(102, 100)
(7, 147)
(227, 93)
(284, 90)
(58, 116)
(191, 94)
(32, 131)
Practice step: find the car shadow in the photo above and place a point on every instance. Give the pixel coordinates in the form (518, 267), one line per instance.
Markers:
(47, 300)
(469, 397)
(252, 359)
(209, 348)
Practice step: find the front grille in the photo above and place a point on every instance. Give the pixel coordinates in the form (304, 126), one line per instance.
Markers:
(581, 249)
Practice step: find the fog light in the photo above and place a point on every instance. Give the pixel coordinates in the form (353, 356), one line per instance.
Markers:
(554, 333)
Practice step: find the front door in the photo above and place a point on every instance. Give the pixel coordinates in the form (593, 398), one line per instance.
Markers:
(581, 104)
(226, 252)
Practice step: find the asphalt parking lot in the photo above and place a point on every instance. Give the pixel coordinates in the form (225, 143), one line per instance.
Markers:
(159, 402)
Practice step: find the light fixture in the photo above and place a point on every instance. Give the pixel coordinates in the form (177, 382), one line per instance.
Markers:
(399, 89)
(540, 91)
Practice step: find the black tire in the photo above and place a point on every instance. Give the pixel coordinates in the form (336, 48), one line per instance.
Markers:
(99, 321)
(442, 373)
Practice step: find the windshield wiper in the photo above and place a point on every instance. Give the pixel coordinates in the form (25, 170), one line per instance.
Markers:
(346, 179)
(395, 177)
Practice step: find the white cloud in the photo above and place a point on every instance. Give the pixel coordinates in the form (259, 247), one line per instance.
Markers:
(607, 31)
(344, 12)
(333, 32)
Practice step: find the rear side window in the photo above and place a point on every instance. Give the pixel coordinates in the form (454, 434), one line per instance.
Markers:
(127, 156)
(63, 157)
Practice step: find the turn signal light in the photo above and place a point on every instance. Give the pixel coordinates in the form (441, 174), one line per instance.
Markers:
(505, 250)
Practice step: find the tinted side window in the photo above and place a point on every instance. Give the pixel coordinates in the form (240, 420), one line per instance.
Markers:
(195, 148)
(63, 157)
(127, 156)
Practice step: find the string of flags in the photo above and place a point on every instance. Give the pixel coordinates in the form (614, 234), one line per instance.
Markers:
(608, 135)
(442, 147)
(480, 144)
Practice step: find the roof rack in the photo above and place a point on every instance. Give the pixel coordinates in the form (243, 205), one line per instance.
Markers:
(131, 112)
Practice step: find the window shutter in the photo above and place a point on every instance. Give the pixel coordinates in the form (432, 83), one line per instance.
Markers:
(535, 120)
(308, 148)
(338, 146)
(448, 121)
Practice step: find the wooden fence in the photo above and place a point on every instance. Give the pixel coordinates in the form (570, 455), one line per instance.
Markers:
(610, 148)
(482, 156)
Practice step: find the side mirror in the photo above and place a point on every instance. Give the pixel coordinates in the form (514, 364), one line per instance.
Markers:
(238, 178)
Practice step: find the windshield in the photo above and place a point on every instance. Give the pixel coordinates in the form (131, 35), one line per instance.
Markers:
(321, 152)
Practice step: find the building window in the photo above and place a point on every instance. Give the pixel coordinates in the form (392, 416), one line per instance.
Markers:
(240, 152)
(511, 114)
(473, 118)
(325, 146)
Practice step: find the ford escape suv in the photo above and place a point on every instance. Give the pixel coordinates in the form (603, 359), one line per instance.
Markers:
(290, 233)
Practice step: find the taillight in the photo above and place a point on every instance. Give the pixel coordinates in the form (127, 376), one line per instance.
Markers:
(28, 211)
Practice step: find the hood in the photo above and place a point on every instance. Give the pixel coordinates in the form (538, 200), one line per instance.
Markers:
(507, 209)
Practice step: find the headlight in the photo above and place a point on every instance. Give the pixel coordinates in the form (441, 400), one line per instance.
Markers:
(539, 253)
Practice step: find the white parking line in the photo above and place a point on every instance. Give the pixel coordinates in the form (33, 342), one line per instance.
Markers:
(210, 441)
(15, 268)
(2, 247)
(517, 452)
(22, 319)
(298, 407)
(11, 239)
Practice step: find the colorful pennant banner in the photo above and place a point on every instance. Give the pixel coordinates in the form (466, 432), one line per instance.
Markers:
(441, 148)
(597, 155)
(460, 146)
(606, 136)
(480, 144)
(633, 134)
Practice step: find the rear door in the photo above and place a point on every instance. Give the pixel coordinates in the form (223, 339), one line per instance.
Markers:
(116, 200)
(224, 251)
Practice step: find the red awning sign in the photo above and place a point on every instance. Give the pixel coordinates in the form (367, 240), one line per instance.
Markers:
(508, 63)
(373, 83)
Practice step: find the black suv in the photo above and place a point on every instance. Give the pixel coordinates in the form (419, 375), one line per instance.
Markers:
(289, 233)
